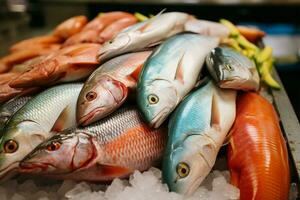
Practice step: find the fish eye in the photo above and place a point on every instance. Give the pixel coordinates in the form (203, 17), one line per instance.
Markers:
(183, 170)
(10, 146)
(90, 96)
(53, 146)
(153, 99)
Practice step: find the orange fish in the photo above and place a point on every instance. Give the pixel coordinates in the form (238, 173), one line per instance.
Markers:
(70, 27)
(68, 64)
(257, 153)
(110, 148)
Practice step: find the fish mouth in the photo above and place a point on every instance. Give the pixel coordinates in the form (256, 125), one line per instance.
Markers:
(33, 167)
(159, 118)
(89, 118)
(9, 171)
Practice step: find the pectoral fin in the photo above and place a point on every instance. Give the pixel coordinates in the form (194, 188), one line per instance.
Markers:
(215, 113)
(114, 171)
(180, 71)
(63, 120)
(136, 73)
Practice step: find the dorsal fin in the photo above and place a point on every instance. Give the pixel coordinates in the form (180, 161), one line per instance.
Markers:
(179, 70)
(143, 28)
(62, 120)
(215, 113)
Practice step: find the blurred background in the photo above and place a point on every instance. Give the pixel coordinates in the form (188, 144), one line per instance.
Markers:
(280, 19)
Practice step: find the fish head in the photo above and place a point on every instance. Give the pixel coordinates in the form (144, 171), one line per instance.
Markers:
(156, 100)
(116, 46)
(187, 163)
(226, 65)
(61, 153)
(98, 98)
(16, 142)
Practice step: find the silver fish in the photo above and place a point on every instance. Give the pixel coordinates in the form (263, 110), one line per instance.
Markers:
(197, 130)
(10, 107)
(53, 109)
(170, 73)
(110, 148)
(232, 70)
(144, 34)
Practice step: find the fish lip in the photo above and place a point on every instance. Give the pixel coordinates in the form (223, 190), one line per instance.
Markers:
(28, 167)
(6, 171)
(86, 119)
(158, 119)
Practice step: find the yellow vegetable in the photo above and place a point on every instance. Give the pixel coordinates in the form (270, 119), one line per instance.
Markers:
(140, 17)
(266, 74)
(264, 55)
(233, 30)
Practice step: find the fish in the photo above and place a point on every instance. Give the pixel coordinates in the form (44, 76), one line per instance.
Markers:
(9, 108)
(257, 154)
(70, 26)
(50, 111)
(109, 86)
(90, 33)
(144, 34)
(69, 64)
(205, 27)
(39, 40)
(9, 61)
(111, 148)
(230, 69)
(197, 130)
(170, 73)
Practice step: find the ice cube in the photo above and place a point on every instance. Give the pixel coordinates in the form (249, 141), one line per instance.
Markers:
(79, 188)
(17, 196)
(117, 186)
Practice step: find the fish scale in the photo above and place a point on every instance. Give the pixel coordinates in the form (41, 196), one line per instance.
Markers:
(35, 109)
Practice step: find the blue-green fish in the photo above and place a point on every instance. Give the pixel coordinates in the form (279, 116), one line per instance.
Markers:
(170, 74)
(197, 130)
(53, 109)
(232, 70)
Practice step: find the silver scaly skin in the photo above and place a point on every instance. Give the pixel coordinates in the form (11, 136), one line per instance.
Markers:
(32, 124)
(110, 148)
(10, 107)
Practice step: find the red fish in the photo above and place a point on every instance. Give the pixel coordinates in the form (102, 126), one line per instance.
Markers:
(68, 64)
(257, 154)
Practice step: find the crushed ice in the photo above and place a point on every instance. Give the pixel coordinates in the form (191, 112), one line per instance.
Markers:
(146, 186)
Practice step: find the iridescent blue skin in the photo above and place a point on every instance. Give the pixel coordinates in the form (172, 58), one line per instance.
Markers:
(157, 77)
(191, 119)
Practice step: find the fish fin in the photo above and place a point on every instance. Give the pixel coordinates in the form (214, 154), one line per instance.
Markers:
(136, 73)
(179, 70)
(234, 178)
(143, 28)
(113, 171)
(227, 139)
(215, 113)
(60, 123)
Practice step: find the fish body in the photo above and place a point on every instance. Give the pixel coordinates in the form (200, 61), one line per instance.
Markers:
(70, 27)
(197, 130)
(110, 148)
(53, 109)
(144, 34)
(170, 73)
(8, 109)
(70, 63)
(108, 87)
(205, 27)
(257, 153)
(232, 70)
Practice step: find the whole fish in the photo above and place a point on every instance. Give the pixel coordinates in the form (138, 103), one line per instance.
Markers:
(108, 87)
(144, 34)
(110, 148)
(197, 130)
(8, 109)
(53, 109)
(71, 63)
(205, 27)
(70, 26)
(170, 73)
(257, 153)
(230, 69)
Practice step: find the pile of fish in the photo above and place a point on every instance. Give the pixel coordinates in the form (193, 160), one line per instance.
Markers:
(97, 100)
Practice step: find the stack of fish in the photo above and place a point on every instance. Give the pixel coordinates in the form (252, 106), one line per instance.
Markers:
(83, 131)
